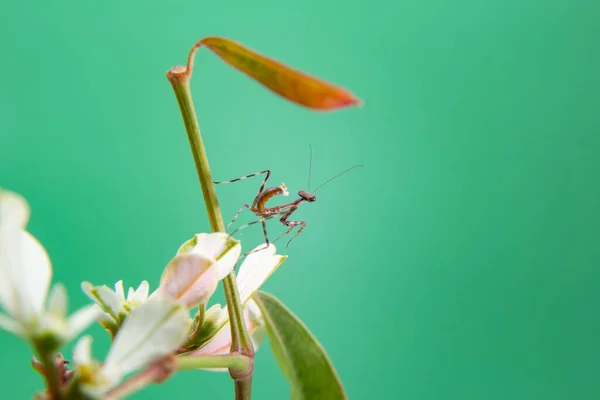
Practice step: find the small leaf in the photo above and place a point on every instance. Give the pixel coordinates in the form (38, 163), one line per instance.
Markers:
(291, 84)
(301, 357)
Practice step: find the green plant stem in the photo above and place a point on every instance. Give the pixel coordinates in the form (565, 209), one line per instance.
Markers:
(179, 77)
(160, 371)
(243, 388)
(230, 361)
(50, 371)
(181, 86)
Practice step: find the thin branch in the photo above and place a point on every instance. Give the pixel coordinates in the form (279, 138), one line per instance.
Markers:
(179, 77)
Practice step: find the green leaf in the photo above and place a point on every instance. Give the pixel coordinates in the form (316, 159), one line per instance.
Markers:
(301, 357)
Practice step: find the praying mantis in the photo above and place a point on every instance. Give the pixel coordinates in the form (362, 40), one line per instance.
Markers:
(284, 212)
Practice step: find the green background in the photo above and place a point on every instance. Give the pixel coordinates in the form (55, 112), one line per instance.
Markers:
(461, 263)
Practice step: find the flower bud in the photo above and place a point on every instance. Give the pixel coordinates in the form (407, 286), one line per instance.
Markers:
(190, 279)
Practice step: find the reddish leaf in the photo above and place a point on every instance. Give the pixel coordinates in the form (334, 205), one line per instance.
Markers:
(291, 84)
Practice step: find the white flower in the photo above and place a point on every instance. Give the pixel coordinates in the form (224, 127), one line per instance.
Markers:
(154, 329)
(113, 302)
(254, 271)
(201, 262)
(135, 297)
(54, 320)
(218, 246)
(191, 278)
(25, 275)
(220, 343)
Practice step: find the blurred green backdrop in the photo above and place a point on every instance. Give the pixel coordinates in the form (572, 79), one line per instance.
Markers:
(461, 263)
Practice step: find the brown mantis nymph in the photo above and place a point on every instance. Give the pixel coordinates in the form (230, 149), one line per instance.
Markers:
(260, 209)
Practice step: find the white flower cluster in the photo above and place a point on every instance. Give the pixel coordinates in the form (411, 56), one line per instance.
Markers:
(145, 326)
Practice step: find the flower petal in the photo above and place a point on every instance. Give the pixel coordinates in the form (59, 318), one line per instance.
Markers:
(255, 270)
(25, 269)
(38, 270)
(214, 319)
(82, 352)
(14, 210)
(190, 244)
(140, 294)
(30, 278)
(190, 279)
(9, 254)
(106, 298)
(14, 214)
(82, 318)
(219, 344)
(88, 373)
(255, 323)
(10, 325)
(221, 341)
(57, 300)
(219, 246)
(107, 322)
(153, 330)
(119, 290)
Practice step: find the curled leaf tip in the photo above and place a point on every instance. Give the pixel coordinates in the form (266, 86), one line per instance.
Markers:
(293, 85)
